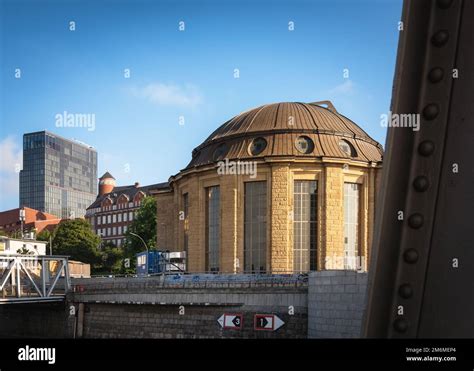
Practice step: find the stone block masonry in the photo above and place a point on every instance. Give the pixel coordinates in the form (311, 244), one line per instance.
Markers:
(330, 304)
(336, 303)
(197, 322)
(147, 308)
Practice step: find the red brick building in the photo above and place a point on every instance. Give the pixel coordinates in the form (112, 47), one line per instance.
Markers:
(35, 221)
(115, 208)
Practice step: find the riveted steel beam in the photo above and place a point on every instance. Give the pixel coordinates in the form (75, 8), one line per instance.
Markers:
(420, 284)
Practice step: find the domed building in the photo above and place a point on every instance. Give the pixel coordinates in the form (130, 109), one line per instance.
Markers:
(281, 188)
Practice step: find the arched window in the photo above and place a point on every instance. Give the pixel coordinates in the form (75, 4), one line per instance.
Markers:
(347, 148)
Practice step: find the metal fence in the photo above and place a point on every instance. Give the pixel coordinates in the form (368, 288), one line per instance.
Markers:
(27, 278)
(189, 280)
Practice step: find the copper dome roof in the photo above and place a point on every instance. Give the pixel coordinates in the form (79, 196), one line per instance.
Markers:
(281, 125)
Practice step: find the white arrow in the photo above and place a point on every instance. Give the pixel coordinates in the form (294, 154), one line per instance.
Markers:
(221, 320)
(278, 323)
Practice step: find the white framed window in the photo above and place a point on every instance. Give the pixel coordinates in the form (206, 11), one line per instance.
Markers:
(255, 227)
(130, 215)
(304, 225)
(114, 218)
(108, 231)
(351, 225)
(125, 228)
(125, 217)
(109, 219)
(114, 231)
(120, 230)
(98, 220)
(213, 226)
(119, 217)
(103, 219)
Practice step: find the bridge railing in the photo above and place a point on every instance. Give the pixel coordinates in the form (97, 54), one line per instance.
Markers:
(189, 281)
(27, 278)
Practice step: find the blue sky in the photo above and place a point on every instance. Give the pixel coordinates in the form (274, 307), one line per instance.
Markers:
(186, 73)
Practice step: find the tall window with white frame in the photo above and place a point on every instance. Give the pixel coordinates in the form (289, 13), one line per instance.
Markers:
(304, 226)
(212, 228)
(255, 227)
(351, 225)
(186, 225)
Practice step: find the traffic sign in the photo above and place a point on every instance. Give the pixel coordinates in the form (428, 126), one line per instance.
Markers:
(231, 321)
(267, 322)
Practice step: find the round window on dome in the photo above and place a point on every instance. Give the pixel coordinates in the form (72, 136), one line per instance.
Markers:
(347, 148)
(304, 144)
(220, 152)
(257, 146)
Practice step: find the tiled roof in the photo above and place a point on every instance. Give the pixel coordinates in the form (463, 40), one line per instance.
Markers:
(129, 190)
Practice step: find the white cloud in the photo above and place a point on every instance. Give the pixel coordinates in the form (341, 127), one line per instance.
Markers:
(10, 165)
(346, 88)
(187, 96)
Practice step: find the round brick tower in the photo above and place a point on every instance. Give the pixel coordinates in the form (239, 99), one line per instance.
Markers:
(106, 184)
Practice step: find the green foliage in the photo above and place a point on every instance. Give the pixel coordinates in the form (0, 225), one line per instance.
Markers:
(112, 259)
(143, 225)
(24, 251)
(44, 235)
(76, 239)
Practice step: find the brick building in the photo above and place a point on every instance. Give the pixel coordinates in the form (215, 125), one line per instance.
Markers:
(115, 208)
(35, 221)
(286, 187)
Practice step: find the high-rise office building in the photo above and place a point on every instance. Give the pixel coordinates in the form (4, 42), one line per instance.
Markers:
(59, 175)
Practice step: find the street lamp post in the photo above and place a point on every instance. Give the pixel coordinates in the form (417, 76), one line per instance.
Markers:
(136, 235)
(22, 220)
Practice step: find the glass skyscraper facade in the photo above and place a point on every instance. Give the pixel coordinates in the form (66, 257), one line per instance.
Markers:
(59, 176)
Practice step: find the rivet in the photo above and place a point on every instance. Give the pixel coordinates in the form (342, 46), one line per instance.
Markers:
(426, 148)
(400, 324)
(421, 183)
(405, 291)
(410, 256)
(436, 74)
(444, 4)
(430, 111)
(440, 38)
(415, 221)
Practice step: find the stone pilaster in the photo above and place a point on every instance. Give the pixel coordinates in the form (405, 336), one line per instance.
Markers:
(281, 255)
(334, 218)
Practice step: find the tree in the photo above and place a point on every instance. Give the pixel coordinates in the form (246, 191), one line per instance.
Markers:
(76, 239)
(143, 225)
(24, 251)
(112, 259)
(45, 235)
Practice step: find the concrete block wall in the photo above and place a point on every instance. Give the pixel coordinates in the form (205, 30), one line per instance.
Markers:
(197, 322)
(336, 303)
(143, 308)
(42, 320)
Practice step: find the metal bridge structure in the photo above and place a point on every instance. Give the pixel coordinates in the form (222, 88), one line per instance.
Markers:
(33, 279)
(421, 278)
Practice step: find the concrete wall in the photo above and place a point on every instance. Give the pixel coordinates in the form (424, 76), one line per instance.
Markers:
(329, 305)
(336, 303)
(145, 308)
(45, 320)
